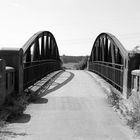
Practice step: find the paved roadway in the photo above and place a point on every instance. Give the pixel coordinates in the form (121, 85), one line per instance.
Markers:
(77, 110)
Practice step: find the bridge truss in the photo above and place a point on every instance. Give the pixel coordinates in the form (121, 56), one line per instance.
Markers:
(40, 57)
(109, 59)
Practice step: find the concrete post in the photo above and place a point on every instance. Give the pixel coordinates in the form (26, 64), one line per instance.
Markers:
(2, 82)
(14, 58)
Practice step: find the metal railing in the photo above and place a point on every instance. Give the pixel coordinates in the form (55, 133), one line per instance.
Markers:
(40, 57)
(109, 59)
(112, 73)
(35, 70)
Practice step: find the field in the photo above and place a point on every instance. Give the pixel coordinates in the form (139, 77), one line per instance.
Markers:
(69, 65)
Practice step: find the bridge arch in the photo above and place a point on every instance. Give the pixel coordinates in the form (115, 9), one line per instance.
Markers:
(109, 59)
(40, 57)
(41, 46)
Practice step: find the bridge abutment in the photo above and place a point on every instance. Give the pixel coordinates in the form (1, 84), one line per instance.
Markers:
(14, 58)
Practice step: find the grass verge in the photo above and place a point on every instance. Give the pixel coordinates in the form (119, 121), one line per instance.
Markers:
(129, 109)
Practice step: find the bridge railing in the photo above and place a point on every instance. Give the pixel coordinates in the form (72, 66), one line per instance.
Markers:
(109, 59)
(34, 71)
(113, 73)
(114, 63)
(40, 57)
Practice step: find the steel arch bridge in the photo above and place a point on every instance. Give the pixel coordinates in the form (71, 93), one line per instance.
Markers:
(113, 62)
(37, 58)
(40, 57)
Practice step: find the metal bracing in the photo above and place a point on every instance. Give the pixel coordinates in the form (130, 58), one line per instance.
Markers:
(45, 51)
(42, 48)
(109, 59)
(41, 56)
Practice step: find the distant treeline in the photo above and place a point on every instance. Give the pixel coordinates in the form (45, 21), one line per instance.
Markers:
(71, 59)
(79, 62)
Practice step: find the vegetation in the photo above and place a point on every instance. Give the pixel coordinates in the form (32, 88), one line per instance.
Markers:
(69, 66)
(82, 64)
(74, 62)
(14, 106)
(114, 100)
(136, 49)
(129, 108)
(133, 112)
(71, 59)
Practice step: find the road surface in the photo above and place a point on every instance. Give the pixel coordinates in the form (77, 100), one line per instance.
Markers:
(76, 110)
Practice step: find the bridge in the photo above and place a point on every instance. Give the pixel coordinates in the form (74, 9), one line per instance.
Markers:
(74, 106)
(37, 58)
(114, 63)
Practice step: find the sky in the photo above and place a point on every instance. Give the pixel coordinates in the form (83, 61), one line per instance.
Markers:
(74, 23)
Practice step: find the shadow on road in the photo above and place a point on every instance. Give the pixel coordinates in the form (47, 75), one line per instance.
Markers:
(40, 100)
(24, 118)
(58, 85)
(10, 134)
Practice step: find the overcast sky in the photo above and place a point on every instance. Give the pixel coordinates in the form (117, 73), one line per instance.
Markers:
(74, 23)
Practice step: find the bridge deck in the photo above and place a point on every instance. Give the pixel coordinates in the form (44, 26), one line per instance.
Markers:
(77, 111)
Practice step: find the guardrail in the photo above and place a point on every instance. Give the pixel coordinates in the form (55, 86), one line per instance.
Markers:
(113, 73)
(34, 71)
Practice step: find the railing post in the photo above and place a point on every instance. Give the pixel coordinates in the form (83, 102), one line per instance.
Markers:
(135, 80)
(2, 82)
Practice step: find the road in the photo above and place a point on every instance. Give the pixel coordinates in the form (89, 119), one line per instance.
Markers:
(76, 108)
